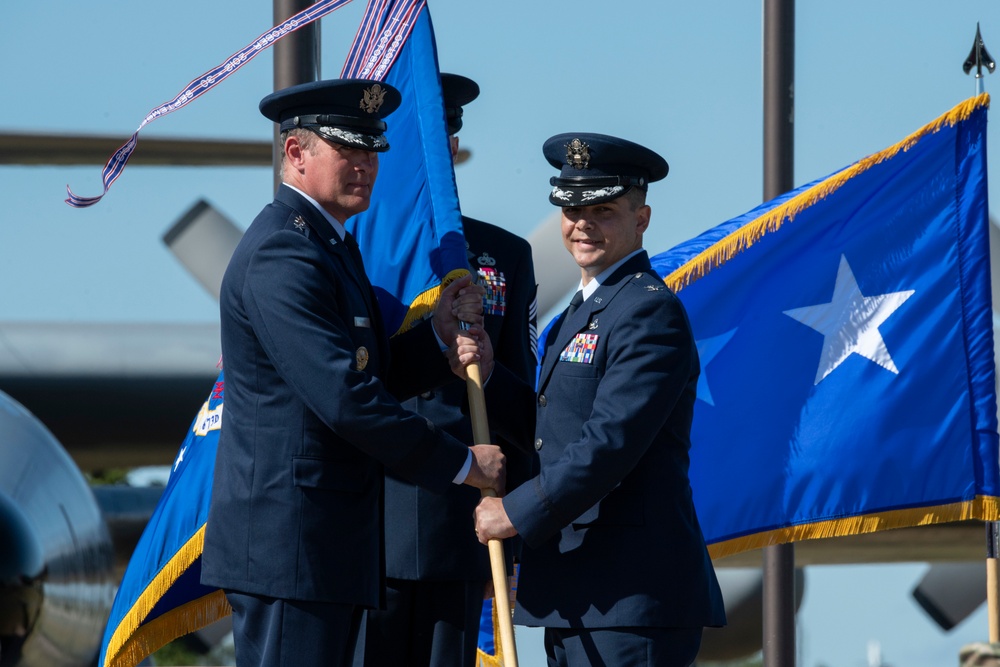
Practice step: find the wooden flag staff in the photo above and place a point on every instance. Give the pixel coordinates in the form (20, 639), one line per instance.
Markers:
(481, 435)
(979, 58)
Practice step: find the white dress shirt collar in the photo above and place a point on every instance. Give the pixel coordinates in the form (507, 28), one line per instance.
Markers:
(337, 225)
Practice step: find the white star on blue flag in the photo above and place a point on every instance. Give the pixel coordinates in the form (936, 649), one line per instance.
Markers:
(849, 323)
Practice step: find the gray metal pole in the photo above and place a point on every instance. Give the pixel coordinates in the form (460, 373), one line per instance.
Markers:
(779, 123)
(779, 94)
(296, 59)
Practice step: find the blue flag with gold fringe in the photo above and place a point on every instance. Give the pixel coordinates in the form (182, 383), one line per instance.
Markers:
(846, 340)
(160, 596)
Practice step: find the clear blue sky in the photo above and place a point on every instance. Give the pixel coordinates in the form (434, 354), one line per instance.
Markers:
(682, 78)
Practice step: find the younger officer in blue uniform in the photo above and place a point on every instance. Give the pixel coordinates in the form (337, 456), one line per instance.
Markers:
(436, 569)
(294, 532)
(614, 564)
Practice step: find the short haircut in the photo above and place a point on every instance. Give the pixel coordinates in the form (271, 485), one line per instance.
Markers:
(307, 139)
(636, 197)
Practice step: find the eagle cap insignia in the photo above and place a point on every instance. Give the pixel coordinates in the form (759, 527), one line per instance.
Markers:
(578, 154)
(373, 98)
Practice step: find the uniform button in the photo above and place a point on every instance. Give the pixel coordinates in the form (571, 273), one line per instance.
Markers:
(427, 395)
(542, 401)
(538, 443)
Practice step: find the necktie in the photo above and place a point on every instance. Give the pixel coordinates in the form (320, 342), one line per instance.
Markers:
(574, 303)
(372, 300)
(354, 252)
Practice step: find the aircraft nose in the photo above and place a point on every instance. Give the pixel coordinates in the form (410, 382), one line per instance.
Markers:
(21, 568)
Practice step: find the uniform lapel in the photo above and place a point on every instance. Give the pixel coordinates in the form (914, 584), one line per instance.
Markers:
(330, 239)
(580, 320)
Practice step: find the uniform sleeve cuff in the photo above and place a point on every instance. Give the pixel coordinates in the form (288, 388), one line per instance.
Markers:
(464, 472)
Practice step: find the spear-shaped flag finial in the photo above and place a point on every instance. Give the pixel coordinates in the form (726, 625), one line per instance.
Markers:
(979, 57)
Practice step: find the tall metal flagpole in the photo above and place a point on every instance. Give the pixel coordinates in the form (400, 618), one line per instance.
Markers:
(779, 121)
(296, 60)
(979, 57)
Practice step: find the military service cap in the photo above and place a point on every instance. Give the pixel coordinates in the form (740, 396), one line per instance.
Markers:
(346, 111)
(596, 168)
(457, 92)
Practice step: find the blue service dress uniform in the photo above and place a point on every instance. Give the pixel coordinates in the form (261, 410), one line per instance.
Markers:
(434, 563)
(611, 537)
(311, 417)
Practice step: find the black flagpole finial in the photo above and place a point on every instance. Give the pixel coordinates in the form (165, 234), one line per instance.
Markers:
(979, 57)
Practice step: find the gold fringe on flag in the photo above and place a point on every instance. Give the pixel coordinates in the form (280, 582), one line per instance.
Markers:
(983, 508)
(422, 306)
(130, 643)
(484, 659)
(729, 247)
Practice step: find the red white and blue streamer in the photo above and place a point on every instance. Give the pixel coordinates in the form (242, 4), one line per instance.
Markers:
(381, 35)
(201, 85)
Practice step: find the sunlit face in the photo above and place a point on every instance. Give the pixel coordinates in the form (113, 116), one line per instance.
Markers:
(598, 236)
(339, 177)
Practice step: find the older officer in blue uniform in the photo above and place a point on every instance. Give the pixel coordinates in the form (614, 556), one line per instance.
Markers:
(436, 569)
(294, 533)
(614, 565)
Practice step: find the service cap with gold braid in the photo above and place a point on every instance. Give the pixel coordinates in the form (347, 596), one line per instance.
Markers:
(350, 112)
(596, 168)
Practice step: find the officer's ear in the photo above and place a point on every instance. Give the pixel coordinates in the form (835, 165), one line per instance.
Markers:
(642, 215)
(294, 149)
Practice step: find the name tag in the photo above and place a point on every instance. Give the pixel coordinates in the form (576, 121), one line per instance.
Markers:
(581, 349)
(362, 322)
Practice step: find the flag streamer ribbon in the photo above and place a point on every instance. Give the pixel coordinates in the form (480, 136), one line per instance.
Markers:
(201, 85)
(381, 35)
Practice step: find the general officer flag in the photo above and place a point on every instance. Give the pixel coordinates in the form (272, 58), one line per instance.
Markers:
(411, 235)
(846, 342)
(160, 596)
